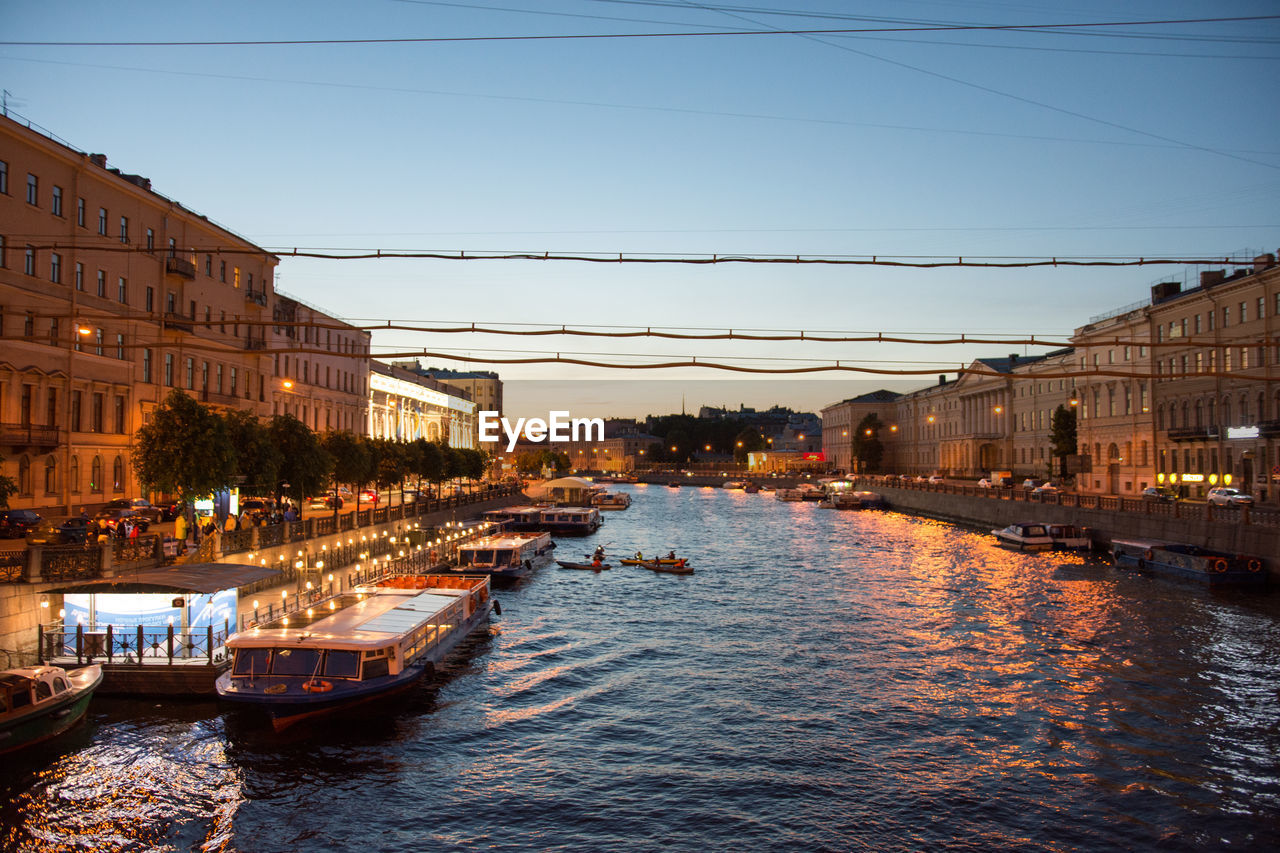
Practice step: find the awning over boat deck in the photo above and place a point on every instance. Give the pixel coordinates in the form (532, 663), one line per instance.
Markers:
(180, 578)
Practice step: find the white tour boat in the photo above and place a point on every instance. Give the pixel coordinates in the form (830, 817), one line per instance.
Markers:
(1025, 536)
(509, 555)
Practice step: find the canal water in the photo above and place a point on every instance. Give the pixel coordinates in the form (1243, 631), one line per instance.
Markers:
(825, 681)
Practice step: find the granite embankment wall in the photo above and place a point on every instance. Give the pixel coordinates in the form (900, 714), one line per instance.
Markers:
(1220, 529)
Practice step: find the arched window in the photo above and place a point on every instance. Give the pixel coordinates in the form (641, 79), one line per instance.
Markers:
(24, 475)
(51, 475)
(1160, 417)
(1262, 407)
(1244, 410)
(1226, 411)
(1186, 414)
(75, 475)
(95, 476)
(1199, 414)
(1213, 413)
(117, 475)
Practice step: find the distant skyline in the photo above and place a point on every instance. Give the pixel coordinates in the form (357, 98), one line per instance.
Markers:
(994, 141)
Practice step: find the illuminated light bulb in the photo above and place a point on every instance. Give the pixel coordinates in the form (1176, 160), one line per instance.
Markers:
(255, 604)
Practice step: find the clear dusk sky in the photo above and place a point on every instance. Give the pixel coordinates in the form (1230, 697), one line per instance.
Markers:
(1142, 140)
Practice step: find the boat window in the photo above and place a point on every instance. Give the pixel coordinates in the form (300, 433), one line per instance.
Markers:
(484, 556)
(295, 661)
(59, 684)
(342, 664)
(43, 690)
(251, 662)
(376, 668)
(503, 558)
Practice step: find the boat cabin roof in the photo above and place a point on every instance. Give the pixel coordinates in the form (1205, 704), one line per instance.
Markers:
(360, 621)
(511, 541)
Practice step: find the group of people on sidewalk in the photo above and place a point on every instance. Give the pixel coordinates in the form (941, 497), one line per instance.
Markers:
(207, 525)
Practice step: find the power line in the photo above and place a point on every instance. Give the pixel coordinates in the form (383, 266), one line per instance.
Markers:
(614, 36)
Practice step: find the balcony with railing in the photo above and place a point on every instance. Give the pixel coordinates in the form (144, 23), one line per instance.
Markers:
(258, 297)
(180, 267)
(28, 435)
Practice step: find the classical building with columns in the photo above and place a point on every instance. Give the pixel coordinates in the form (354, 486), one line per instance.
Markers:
(405, 406)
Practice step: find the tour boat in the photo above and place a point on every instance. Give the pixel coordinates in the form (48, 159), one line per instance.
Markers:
(788, 495)
(40, 702)
(1069, 537)
(611, 500)
(1216, 568)
(510, 555)
(1024, 536)
(358, 646)
(571, 520)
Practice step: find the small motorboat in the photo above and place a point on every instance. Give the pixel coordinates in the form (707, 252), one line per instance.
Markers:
(1069, 537)
(674, 484)
(1024, 536)
(590, 567)
(41, 702)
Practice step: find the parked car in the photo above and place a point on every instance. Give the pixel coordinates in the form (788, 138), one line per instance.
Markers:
(171, 510)
(1045, 489)
(1225, 496)
(935, 479)
(62, 530)
(1032, 483)
(141, 506)
(368, 496)
(14, 523)
(1163, 494)
(984, 483)
(115, 515)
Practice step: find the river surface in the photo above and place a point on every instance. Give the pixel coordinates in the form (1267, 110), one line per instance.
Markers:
(826, 681)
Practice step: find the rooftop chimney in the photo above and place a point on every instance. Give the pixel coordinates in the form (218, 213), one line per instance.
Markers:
(942, 379)
(1165, 290)
(1013, 359)
(98, 160)
(1209, 278)
(1264, 262)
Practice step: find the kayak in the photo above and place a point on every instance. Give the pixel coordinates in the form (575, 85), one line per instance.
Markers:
(664, 562)
(566, 564)
(671, 570)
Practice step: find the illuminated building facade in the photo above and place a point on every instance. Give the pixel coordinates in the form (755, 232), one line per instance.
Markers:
(404, 406)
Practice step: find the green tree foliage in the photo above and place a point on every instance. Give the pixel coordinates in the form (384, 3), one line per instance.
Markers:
(352, 461)
(185, 449)
(393, 464)
(746, 441)
(1062, 435)
(866, 445)
(8, 486)
(304, 465)
(430, 462)
(257, 457)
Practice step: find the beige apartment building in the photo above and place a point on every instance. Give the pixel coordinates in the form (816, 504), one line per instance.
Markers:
(111, 295)
(320, 367)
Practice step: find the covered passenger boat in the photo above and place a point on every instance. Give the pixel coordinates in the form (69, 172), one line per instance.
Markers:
(508, 555)
(1215, 568)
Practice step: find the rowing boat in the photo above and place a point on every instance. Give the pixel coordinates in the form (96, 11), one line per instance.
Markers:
(567, 564)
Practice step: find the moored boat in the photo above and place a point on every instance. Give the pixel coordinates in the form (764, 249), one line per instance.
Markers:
(512, 555)
(41, 702)
(353, 648)
(1069, 537)
(751, 488)
(571, 520)
(1216, 568)
(788, 495)
(1024, 536)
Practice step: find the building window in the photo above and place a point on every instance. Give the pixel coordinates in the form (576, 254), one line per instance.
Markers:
(124, 229)
(80, 212)
(75, 475)
(208, 265)
(151, 298)
(122, 290)
(1244, 312)
(29, 325)
(117, 475)
(204, 376)
(235, 277)
(97, 338)
(168, 369)
(79, 276)
(222, 270)
(102, 221)
(233, 382)
(191, 374)
(53, 337)
(30, 266)
(102, 283)
(119, 415)
(1262, 307)
(95, 476)
(1226, 316)
(24, 476)
(4, 177)
(95, 413)
(55, 268)
(151, 240)
(74, 426)
(56, 201)
(120, 346)
(2, 252)
(33, 189)
(146, 366)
